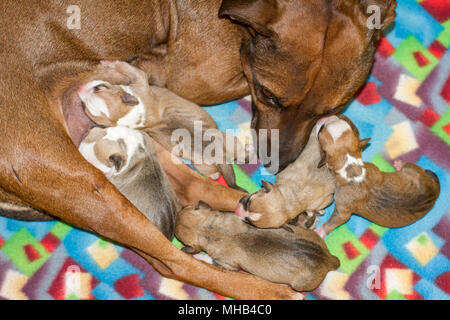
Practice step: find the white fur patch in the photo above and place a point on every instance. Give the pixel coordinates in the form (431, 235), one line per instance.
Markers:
(255, 216)
(337, 128)
(135, 118)
(352, 161)
(203, 257)
(94, 103)
(132, 138)
(87, 151)
(322, 122)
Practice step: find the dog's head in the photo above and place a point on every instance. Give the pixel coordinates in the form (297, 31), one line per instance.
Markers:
(111, 105)
(190, 222)
(342, 147)
(112, 150)
(264, 208)
(305, 59)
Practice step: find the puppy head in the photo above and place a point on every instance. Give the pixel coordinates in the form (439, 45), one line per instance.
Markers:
(189, 223)
(111, 105)
(264, 208)
(342, 148)
(111, 149)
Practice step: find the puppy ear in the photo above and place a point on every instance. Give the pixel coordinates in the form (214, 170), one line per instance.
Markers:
(129, 99)
(203, 205)
(323, 159)
(267, 185)
(380, 14)
(363, 143)
(118, 161)
(254, 14)
(189, 250)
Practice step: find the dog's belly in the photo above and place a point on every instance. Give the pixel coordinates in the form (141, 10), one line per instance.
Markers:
(76, 120)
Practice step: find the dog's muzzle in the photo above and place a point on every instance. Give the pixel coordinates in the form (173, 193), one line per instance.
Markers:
(243, 206)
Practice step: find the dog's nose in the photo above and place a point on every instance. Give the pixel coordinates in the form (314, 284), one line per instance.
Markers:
(245, 202)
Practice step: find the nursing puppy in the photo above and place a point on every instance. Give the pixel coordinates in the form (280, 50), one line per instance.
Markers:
(301, 187)
(159, 112)
(128, 160)
(389, 199)
(299, 258)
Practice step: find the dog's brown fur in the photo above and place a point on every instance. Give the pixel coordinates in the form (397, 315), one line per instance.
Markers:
(183, 46)
(298, 257)
(301, 187)
(388, 199)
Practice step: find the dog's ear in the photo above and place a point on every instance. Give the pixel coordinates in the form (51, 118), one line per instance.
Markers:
(380, 13)
(117, 161)
(323, 159)
(203, 205)
(129, 99)
(267, 185)
(363, 143)
(254, 14)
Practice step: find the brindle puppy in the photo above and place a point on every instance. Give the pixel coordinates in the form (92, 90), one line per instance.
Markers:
(389, 199)
(299, 258)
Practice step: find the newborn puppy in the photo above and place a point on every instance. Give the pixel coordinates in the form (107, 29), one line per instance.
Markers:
(128, 160)
(299, 258)
(389, 199)
(160, 112)
(301, 187)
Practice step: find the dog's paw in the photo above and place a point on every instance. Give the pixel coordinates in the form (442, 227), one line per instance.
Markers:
(203, 257)
(214, 176)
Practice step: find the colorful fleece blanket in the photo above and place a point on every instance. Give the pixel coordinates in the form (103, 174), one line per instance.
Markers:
(404, 108)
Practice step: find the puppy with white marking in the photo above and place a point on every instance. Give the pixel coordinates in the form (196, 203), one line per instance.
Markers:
(302, 187)
(388, 199)
(159, 112)
(128, 160)
(298, 258)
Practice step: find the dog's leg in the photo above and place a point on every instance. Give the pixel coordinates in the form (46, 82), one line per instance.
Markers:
(339, 217)
(191, 187)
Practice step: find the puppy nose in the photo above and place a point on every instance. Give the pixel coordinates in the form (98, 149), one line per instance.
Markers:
(245, 202)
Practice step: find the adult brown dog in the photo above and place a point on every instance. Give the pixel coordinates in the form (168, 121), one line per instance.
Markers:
(299, 59)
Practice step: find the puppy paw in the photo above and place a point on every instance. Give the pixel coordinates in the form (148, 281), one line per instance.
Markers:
(214, 176)
(203, 257)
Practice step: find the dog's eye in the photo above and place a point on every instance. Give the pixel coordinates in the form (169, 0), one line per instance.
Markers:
(100, 87)
(268, 96)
